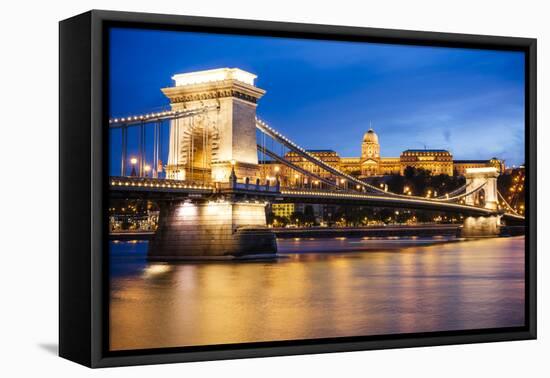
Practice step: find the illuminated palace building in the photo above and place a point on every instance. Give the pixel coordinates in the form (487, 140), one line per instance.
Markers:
(371, 164)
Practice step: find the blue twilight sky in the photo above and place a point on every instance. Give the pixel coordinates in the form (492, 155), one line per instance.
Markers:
(324, 94)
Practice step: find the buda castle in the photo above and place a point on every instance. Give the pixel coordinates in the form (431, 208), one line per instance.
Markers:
(370, 163)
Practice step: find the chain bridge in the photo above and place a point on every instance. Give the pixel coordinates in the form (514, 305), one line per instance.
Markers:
(216, 181)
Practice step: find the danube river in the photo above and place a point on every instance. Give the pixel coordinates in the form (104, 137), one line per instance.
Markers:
(370, 287)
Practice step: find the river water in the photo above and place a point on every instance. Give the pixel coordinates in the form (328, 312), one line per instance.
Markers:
(372, 286)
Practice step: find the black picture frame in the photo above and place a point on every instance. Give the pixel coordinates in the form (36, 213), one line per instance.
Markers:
(83, 275)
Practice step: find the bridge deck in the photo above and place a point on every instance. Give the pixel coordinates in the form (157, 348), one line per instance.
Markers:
(177, 188)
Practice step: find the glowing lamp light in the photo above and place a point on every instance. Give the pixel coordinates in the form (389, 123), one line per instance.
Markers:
(187, 209)
(154, 270)
(219, 74)
(147, 168)
(133, 161)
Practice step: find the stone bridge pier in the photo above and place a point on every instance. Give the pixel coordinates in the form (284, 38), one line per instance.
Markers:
(487, 225)
(213, 229)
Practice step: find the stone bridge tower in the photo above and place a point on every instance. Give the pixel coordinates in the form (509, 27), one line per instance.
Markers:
(205, 147)
(207, 144)
(487, 198)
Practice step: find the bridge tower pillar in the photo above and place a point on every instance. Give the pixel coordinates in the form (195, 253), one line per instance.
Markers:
(488, 196)
(216, 144)
(226, 129)
(214, 229)
(486, 225)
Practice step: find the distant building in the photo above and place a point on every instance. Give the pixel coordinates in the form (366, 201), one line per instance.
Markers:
(286, 210)
(370, 154)
(461, 165)
(370, 163)
(329, 157)
(436, 161)
(283, 209)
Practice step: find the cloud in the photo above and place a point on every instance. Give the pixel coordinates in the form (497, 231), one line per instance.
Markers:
(447, 136)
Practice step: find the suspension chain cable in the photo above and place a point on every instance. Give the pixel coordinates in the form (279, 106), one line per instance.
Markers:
(507, 204)
(315, 160)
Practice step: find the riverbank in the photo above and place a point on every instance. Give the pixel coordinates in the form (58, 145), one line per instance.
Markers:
(424, 230)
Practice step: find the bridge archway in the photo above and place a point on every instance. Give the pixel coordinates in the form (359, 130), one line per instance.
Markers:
(480, 198)
(194, 144)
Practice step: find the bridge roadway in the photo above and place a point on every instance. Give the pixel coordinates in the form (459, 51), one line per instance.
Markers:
(390, 230)
(139, 187)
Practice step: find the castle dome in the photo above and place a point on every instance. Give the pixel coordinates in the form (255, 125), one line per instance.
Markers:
(370, 136)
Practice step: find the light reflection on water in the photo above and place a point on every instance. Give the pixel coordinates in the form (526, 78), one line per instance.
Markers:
(382, 290)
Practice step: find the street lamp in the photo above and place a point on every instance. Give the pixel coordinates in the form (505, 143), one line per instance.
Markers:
(277, 169)
(233, 175)
(147, 169)
(133, 161)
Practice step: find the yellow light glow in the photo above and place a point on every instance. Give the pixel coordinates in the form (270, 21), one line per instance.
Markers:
(187, 209)
(219, 74)
(133, 161)
(154, 270)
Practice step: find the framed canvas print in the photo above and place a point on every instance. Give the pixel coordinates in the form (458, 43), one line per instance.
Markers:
(233, 188)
